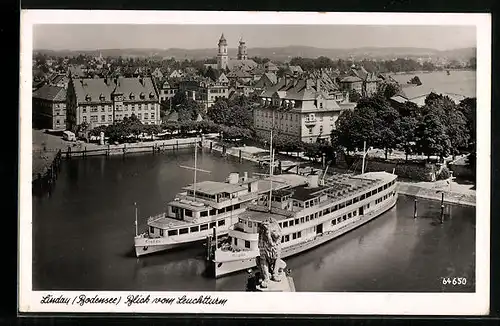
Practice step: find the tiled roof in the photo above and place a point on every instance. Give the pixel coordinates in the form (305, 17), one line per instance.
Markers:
(50, 93)
(272, 77)
(242, 64)
(238, 74)
(97, 90)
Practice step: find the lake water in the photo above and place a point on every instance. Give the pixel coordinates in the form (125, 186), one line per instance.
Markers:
(458, 82)
(83, 236)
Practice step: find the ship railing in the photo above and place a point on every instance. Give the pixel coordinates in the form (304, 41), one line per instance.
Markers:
(156, 217)
(275, 210)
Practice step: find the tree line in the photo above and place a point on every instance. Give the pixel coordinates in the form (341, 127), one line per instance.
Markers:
(439, 128)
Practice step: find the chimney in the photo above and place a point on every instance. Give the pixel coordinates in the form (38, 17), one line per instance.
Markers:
(312, 180)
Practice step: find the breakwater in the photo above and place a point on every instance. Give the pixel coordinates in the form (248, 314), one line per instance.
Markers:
(433, 194)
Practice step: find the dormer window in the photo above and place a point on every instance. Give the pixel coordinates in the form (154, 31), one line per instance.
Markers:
(132, 96)
(101, 97)
(151, 95)
(88, 98)
(142, 96)
(321, 105)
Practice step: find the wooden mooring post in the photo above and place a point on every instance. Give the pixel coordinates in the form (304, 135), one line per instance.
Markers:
(85, 152)
(68, 153)
(415, 209)
(442, 208)
(108, 150)
(211, 146)
(124, 149)
(177, 143)
(239, 156)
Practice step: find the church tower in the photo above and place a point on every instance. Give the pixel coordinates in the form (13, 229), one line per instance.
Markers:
(242, 50)
(222, 57)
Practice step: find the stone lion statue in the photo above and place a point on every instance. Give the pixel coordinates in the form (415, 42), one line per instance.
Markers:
(269, 262)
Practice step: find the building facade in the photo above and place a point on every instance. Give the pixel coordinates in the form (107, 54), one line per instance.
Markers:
(298, 108)
(49, 107)
(104, 101)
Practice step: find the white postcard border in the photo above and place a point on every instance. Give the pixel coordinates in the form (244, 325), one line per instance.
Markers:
(247, 302)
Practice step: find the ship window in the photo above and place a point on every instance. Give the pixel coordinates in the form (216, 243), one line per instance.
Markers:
(299, 234)
(320, 213)
(363, 196)
(229, 208)
(302, 220)
(188, 212)
(326, 211)
(220, 211)
(294, 236)
(204, 213)
(307, 204)
(151, 229)
(172, 232)
(213, 212)
(212, 224)
(285, 224)
(344, 217)
(235, 241)
(237, 206)
(221, 222)
(349, 215)
(290, 223)
(316, 215)
(307, 218)
(249, 224)
(355, 200)
(334, 222)
(354, 213)
(349, 202)
(194, 229)
(334, 208)
(342, 205)
(204, 227)
(287, 238)
(162, 232)
(338, 220)
(183, 231)
(247, 244)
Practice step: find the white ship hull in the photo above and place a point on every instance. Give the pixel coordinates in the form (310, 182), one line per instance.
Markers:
(226, 267)
(150, 249)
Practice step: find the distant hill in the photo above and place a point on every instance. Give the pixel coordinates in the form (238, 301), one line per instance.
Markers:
(278, 53)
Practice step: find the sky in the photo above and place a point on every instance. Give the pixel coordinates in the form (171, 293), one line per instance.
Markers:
(93, 37)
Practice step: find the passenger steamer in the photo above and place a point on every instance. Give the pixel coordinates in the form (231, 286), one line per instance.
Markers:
(309, 215)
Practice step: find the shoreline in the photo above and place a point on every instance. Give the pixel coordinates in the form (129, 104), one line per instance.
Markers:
(404, 188)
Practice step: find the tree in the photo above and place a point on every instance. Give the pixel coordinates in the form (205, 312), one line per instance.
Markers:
(354, 96)
(236, 113)
(410, 115)
(468, 108)
(431, 136)
(388, 89)
(386, 128)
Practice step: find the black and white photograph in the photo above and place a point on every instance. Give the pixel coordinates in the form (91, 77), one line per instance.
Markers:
(254, 162)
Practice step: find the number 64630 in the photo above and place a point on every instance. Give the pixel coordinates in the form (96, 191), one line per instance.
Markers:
(454, 281)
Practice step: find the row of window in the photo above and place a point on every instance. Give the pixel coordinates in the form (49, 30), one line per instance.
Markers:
(331, 209)
(94, 118)
(385, 197)
(212, 212)
(192, 229)
(109, 108)
(292, 236)
(345, 217)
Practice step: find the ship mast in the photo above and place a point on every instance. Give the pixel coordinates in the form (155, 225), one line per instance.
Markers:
(195, 168)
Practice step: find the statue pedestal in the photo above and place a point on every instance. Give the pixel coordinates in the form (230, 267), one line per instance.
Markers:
(285, 285)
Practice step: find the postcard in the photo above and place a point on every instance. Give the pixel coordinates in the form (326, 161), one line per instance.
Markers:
(254, 162)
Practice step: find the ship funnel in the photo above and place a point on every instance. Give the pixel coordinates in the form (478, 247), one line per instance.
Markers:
(233, 178)
(312, 180)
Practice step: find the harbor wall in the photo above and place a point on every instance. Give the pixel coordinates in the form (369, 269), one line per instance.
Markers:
(432, 194)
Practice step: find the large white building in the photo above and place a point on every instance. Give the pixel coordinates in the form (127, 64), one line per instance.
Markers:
(299, 108)
(104, 101)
